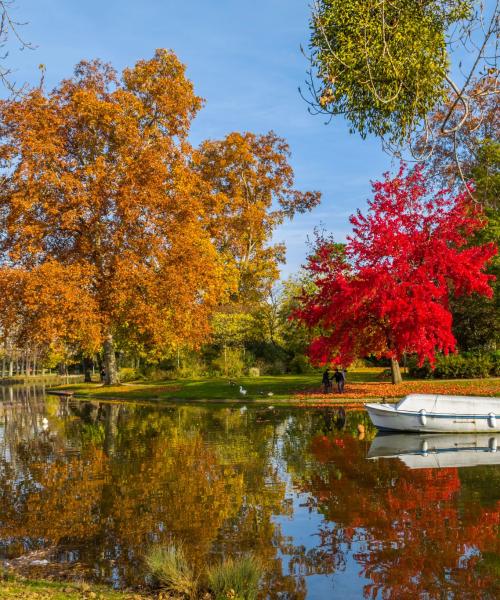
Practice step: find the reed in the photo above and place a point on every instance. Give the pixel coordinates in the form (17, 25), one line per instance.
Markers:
(235, 578)
(168, 564)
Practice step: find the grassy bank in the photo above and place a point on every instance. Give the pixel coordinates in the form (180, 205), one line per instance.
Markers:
(362, 384)
(49, 590)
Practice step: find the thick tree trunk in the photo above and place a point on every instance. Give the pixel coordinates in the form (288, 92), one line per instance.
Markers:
(87, 369)
(111, 372)
(395, 372)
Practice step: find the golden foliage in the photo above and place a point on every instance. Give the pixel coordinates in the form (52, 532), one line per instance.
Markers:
(103, 219)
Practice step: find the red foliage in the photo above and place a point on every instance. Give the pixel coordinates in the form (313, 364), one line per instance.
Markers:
(389, 293)
(419, 533)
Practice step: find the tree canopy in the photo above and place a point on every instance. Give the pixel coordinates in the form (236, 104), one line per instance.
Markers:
(390, 293)
(104, 223)
(251, 187)
(382, 64)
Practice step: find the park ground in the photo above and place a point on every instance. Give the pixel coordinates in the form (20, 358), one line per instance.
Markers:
(20, 589)
(362, 385)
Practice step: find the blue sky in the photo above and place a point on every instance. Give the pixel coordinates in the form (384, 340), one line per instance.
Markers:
(244, 59)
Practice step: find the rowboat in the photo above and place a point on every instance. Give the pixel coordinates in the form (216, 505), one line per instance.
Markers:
(432, 450)
(438, 413)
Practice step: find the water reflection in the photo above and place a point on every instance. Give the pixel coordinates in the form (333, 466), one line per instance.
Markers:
(428, 451)
(92, 485)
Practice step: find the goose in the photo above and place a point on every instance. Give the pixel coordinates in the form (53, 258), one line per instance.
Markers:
(243, 391)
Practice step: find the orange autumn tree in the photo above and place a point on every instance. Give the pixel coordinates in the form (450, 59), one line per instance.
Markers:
(103, 220)
(251, 186)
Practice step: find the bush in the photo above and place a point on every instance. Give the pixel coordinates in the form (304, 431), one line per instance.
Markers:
(457, 366)
(155, 373)
(129, 374)
(235, 578)
(254, 372)
(169, 567)
(230, 363)
(300, 364)
(192, 365)
(278, 367)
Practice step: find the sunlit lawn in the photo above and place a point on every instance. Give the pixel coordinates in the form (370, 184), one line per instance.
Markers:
(361, 384)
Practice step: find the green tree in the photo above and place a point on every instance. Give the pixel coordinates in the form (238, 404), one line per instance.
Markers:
(382, 64)
(230, 331)
(476, 319)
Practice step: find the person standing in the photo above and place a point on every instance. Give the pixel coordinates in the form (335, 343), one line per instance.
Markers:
(339, 380)
(327, 384)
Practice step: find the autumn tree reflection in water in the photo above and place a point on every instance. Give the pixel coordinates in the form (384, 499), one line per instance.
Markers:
(108, 480)
(414, 533)
(97, 484)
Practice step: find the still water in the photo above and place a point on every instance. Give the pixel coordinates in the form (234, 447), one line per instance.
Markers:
(86, 488)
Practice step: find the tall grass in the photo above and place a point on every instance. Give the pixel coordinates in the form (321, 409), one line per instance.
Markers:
(237, 579)
(169, 566)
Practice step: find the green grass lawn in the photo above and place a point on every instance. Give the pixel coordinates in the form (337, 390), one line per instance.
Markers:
(361, 384)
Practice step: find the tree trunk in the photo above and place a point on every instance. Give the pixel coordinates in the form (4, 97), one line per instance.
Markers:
(111, 372)
(87, 366)
(395, 372)
(11, 367)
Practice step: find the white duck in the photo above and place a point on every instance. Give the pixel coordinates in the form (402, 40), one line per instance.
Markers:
(243, 391)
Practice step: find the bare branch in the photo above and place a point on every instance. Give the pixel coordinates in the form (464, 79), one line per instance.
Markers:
(10, 29)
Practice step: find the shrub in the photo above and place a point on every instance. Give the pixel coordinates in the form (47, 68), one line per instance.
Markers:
(169, 567)
(192, 364)
(300, 364)
(230, 363)
(278, 367)
(154, 373)
(235, 578)
(254, 372)
(457, 366)
(129, 374)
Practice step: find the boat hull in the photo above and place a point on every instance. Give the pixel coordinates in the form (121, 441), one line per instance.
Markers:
(386, 417)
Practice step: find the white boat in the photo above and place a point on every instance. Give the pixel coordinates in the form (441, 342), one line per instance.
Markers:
(438, 413)
(432, 450)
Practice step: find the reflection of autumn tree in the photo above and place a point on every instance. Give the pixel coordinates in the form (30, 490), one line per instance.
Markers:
(413, 532)
(254, 449)
(168, 487)
(207, 478)
(56, 501)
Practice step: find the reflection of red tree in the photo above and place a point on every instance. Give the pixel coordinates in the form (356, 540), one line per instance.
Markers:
(418, 536)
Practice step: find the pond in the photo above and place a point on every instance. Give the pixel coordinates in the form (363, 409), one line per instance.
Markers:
(331, 510)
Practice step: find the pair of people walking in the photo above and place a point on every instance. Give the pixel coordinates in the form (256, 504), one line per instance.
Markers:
(339, 378)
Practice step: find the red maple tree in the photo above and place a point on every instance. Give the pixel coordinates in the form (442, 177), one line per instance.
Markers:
(387, 293)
